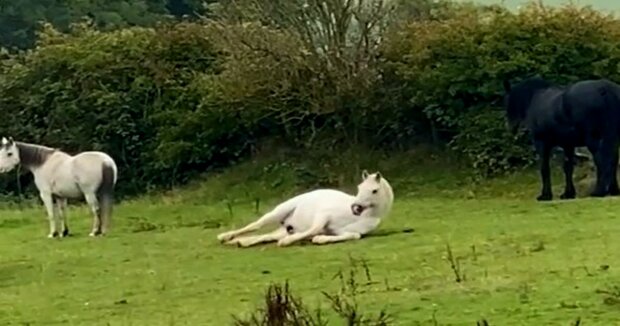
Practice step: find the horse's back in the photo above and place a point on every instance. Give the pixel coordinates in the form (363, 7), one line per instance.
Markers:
(330, 202)
(324, 198)
(575, 114)
(88, 167)
(95, 156)
(590, 89)
(594, 101)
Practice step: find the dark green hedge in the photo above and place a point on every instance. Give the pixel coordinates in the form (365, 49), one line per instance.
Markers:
(180, 99)
(453, 69)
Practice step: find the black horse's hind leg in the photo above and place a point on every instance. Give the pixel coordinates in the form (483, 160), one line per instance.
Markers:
(614, 190)
(544, 151)
(593, 147)
(569, 165)
(606, 164)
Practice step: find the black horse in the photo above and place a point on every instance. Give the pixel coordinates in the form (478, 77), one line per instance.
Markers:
(586, 113)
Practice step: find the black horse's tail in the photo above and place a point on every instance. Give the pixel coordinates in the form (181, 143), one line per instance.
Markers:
(611, 96)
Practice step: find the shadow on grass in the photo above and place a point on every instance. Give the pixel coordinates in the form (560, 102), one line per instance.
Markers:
(389, 232)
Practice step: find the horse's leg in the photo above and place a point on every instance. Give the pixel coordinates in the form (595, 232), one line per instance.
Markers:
(48, 202)
(261, 238)
(275, 216)
(569, 164)
(346, 236)
(91, 199)
(544, 151)
(61, 206)
(614, 190)
(605, 158)
(593, 147)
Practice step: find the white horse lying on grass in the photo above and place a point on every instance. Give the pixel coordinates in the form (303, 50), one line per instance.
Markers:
(60, 176)
(324, 215)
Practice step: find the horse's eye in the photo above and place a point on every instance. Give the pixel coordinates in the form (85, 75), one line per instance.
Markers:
(9, 154)
(375, 191)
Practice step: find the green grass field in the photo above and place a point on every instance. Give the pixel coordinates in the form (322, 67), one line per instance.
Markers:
(523, 262)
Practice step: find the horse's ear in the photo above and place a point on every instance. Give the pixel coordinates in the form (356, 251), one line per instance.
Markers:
(378, 176)
(364, 175)
(11, 141)
(5, 141)
(507, 86)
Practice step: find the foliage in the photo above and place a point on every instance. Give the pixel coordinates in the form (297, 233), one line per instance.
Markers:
(181, 98)
(490, 148)
(298, 68)
(455, 66)
(20, 20)
(107, 91)
(282, 308)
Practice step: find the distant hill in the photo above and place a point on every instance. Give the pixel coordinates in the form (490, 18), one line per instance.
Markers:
(613, 5)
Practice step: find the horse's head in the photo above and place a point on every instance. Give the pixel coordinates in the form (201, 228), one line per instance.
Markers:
(9, 155)
(517, 99)
(515, 113)
(373, 193)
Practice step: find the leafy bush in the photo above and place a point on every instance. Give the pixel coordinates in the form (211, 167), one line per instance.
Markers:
(107, 91)
(490, 148)
(179, 99)
(455, 66)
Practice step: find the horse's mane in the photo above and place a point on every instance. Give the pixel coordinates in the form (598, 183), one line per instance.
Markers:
(532, 84)
(521, 95)
(32, 155)
(389, 193)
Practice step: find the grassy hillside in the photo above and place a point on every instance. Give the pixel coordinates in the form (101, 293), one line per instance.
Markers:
(523, 262)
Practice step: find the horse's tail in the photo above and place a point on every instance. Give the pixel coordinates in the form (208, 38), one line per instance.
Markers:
(611, 96)
(105, 193)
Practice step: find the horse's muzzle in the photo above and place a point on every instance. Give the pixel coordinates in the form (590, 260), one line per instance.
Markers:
(357, 209)
(513, 126)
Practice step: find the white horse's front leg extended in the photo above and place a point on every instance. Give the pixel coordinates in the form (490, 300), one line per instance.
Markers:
(48, 202)
(317, 226)
(347, 236)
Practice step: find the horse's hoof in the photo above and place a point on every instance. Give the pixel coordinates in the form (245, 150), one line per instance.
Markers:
(283, 243)
(53, 235)
(65, 233)
(614, 192)
(231, 242)
(544, 197)
(569, 195)
(598, 194)
(224, 237)
(241, 244)
(94, 234)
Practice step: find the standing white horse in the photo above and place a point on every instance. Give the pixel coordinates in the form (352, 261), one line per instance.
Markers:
(324, 215)
(60, 176)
